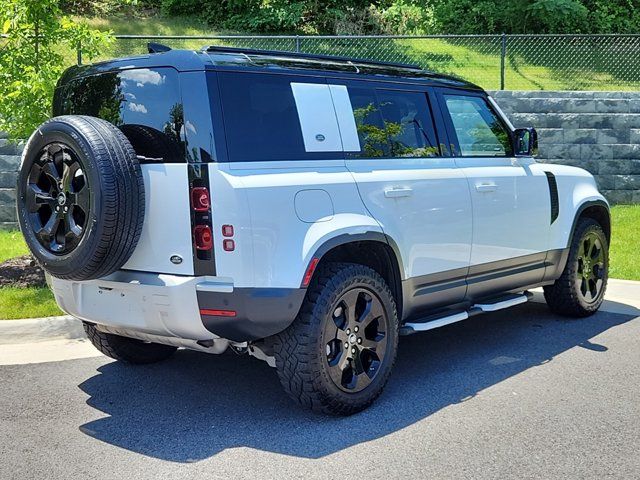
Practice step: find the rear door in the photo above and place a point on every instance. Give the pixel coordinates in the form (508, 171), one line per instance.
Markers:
(412, 188)
(511, 206)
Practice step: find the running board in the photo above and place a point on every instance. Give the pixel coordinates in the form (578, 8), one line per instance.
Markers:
(497, 304)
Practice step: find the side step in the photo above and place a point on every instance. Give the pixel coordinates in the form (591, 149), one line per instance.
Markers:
(499, 303)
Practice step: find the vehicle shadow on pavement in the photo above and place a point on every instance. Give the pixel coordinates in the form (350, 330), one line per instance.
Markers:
(196, 405)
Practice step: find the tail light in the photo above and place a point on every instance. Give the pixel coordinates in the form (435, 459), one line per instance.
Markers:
(200, 200)
(203, 237)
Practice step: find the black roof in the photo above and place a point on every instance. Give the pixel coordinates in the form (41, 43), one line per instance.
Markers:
(230, 58)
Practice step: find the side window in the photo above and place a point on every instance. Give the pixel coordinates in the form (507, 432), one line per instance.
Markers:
(393, 123)
(145, 103)
(369, 123)
(480, 132)
(408, 123)
(263, 115)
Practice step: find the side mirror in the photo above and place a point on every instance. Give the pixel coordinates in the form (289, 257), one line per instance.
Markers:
(526, 142)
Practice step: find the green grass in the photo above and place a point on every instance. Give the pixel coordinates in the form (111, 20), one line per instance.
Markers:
(11, 245)
(152, 25)
(29, 302)
(624, 254)
(22, 302)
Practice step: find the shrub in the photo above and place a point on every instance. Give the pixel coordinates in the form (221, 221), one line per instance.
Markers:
(32, 59)
(558, 16)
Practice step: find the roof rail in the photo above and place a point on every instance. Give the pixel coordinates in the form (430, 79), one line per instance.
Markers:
(311, 56)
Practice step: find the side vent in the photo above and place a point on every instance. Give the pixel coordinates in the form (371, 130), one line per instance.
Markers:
(553, 193)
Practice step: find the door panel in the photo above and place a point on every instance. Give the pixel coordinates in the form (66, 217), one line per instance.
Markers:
(511, 208)
(511, 205)
(420, 199)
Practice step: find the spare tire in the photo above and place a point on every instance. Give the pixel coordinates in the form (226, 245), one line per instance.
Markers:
(80, 197)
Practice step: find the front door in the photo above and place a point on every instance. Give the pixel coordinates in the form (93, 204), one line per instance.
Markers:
(510, 200)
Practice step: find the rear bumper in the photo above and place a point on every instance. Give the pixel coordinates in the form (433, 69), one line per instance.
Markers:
(170, 305)
(260, 312)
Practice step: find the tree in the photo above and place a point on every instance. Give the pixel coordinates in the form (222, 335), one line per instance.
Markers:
(36, 37)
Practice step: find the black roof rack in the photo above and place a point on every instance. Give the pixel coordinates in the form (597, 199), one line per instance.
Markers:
(311, 56)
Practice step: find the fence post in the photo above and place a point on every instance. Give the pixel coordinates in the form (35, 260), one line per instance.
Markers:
(79, 53)
(297, 43)
(503, 54)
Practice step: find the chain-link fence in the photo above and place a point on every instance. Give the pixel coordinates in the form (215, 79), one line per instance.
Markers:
(513, 62)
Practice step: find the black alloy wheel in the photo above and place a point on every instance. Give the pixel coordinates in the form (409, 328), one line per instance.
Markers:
(356, 339)
(591, 267)
(58, 199)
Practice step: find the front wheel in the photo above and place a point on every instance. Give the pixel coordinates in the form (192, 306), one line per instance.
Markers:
(579, 291)
(337, 355)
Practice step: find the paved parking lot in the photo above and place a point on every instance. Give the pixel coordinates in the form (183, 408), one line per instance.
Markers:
(518, 393)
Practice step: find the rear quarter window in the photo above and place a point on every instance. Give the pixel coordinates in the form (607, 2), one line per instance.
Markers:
(261, 118)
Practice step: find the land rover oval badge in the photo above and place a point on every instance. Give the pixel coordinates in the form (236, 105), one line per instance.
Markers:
(176, 259)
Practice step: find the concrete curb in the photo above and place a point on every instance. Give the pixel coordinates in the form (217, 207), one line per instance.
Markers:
(40, 329)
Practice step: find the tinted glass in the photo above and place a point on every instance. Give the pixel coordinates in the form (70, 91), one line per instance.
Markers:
(480, 133)
(408, 124)
(371, 128)
(144, 103)
(261, 120)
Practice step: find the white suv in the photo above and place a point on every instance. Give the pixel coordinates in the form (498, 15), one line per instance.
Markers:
(306, 210)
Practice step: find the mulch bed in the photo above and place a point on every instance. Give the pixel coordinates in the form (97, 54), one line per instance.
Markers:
(21, 272)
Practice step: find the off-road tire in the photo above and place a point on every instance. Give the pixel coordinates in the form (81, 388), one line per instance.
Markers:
(299, 351)
(564, 297)
(116, 203)
(125, 349)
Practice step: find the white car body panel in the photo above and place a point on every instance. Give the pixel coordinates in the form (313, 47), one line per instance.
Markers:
(314, 105)
(511, 207)
(576, 187)
(431, 220)
(282, 244)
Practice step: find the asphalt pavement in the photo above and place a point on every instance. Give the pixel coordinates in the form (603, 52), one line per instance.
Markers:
(514, 394)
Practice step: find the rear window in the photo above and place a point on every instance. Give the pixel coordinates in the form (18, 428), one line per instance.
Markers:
(145, 103)
(262, 121)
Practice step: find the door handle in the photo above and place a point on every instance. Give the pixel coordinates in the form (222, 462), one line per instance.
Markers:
(486, 187)
(397, 192)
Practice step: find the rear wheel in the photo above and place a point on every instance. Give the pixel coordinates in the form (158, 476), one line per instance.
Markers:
(579, 291)
(125, 349)
(337, 355)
